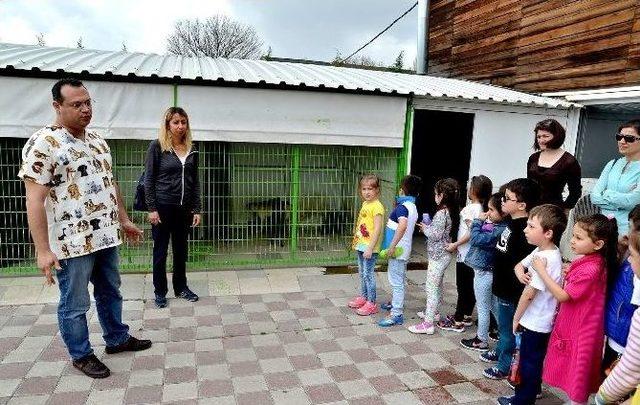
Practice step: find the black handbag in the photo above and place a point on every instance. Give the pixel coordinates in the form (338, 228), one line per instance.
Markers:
(139, 201)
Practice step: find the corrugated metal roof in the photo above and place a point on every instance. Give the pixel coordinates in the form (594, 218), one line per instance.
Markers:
(259, 72)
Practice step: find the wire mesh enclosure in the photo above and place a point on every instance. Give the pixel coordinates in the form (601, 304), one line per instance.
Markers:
(263, 204)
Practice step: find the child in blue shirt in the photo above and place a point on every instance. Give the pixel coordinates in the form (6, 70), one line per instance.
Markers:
(398, 236)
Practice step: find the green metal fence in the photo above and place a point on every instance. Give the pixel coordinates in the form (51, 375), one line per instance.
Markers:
(263, 204)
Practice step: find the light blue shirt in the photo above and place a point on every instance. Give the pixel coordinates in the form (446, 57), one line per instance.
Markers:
(618, 191)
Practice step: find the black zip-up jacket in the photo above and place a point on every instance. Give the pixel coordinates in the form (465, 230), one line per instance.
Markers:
(168, 182)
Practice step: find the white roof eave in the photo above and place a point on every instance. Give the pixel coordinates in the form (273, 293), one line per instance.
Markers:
(611, 95)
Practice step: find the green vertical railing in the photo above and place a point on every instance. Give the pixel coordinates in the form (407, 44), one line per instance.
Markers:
(175, 95)
(295, 198)
(404, 155)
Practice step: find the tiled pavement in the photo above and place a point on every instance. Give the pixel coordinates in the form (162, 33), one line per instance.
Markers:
(302, 347)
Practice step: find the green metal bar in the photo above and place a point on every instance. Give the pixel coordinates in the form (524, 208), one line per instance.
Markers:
(295, 197)
(175, 95)
(405, 154)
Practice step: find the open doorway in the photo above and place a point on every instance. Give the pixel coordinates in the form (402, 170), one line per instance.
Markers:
(441, 148)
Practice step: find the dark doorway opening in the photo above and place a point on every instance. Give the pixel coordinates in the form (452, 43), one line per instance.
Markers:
(441, 148)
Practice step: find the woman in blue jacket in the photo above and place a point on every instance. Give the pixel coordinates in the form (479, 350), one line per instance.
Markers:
(617, 190)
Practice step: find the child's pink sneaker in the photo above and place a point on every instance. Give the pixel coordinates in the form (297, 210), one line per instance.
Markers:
(423, 328)
(368, 308)
(357, 302)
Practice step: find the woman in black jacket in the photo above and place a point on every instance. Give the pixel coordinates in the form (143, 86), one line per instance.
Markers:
(172, 192)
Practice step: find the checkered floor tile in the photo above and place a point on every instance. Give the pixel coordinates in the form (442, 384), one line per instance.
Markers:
(290, 348)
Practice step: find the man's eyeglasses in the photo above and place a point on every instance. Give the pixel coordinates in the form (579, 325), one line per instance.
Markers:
(627, 138)
(79, 104)
(505, 199)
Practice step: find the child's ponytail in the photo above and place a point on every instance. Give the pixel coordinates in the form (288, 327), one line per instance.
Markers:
(481, 187)
(600, 227)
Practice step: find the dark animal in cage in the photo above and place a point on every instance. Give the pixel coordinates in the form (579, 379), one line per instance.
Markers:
(337, 223)
(270, 219)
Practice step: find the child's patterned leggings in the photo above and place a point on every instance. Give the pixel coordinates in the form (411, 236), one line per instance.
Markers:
(433, 285)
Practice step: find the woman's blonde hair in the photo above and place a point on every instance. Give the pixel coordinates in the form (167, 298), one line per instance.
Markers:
(164, 137)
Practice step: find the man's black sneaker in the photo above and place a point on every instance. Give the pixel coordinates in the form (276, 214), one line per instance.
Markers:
(475, 344)
(131, 345)
(161, 302)
(188, 295)
(494, 335)
(92, 367)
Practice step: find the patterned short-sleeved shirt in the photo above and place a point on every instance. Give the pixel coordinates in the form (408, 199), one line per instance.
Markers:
(82, 209)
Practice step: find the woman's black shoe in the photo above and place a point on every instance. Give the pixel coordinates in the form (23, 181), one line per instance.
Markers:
(188, 295)
(161, 302)
(92, 367)
(131, 345)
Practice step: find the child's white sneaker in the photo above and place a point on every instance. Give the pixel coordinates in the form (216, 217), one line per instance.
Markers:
(425, 328)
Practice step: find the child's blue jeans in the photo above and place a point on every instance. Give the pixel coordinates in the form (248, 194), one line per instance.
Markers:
(507, 343)
(533, 349)
(482, 281)
(366, 269)
(397, 270)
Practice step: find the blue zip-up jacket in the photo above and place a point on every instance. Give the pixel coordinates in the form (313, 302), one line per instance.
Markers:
(617, 190)
(619, 308)
(482, 245)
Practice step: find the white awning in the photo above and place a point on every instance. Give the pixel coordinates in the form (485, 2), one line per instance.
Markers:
(134, 111)
(296, 117)
(121, 110)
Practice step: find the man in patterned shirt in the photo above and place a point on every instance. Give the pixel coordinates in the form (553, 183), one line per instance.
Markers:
(77, 219)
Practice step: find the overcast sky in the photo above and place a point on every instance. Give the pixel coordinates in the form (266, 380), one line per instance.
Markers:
(311, 29)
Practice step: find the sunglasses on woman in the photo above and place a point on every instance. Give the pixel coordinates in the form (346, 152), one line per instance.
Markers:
(627, 138)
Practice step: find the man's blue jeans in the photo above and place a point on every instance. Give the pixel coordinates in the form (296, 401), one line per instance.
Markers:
(101, 268)
(366, 268)
(507, 343)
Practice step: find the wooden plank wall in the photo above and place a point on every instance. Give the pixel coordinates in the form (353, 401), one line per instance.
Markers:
(537, 45)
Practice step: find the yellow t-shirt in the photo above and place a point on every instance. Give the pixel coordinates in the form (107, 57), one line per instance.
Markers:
(636, 397)
(364, 226)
